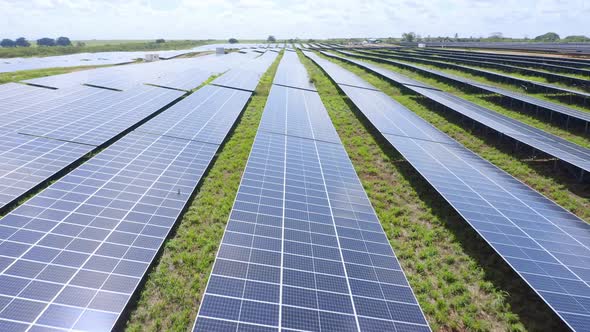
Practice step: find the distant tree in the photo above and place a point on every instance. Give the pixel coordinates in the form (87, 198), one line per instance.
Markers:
(160, 41)
(46, 42)
(22, 42)
(7, 43)
(291, 40)
(311, 40)
(408, 36)
(456, 36)
(578, 39)
(63, 41)
(233, 41)
(271, 39)
(548, 37)
(80, 44)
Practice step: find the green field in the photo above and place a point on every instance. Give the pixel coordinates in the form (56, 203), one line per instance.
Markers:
(103, 46)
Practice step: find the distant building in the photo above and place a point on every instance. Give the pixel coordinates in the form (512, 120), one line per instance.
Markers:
(152, 57)
(372, 41)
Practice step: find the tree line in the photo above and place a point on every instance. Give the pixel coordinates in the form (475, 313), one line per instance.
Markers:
(550, 37)
(23, 42)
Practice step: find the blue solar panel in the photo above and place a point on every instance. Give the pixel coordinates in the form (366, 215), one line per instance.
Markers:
(492, 74)
(42, 137)
(26, 162)
(303, 249)
(292, 74)
(542, 104)
(246, 76)
(98, 122)
(545, 244)
(21, 111)
(550, 144)
(73, 256)
(202, 117)
(91, 236)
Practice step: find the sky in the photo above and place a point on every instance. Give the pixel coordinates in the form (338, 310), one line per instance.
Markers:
(256, 19)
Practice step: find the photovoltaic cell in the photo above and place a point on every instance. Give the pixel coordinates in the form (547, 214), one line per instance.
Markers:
(302, 110)
(478, 71)
(72, 256)
(27, 161)
(246, 76)
(539, 103)
(202, 116)
(292, 74)
(91, 236)
(19, 112)
(98, 122)
(303, 249)
(545, 244)
(550, 144)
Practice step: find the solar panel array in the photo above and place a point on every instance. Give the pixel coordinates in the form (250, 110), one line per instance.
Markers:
(554, 65)
(246, 77)
(545, 244)
(483, 62)
(557, 47)
(291, 74)
(72, 256)
(303, 249)
(44, 135)
(540, 103)
(182, 74)
(572, 62)
(540, 86)
(552, 145)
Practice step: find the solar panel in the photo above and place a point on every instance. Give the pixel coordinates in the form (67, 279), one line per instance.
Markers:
(186, 80)
(550, 64)
(303, 249)
(545, 244)
(88, 239)
(176, 73)
(552, 145)
(297, 113)
(73, 256)
(98, 122)
(20, 112)
(292, 74)
(491, 74)
(542, 104)
(40, 140)
(519, 65)
(246, 76)
(27, 161)
(202, 116)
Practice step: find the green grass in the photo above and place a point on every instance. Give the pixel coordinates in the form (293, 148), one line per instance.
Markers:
(460, 283)
(558, 185)
(104, 46)
(171, 296)
(18, 76)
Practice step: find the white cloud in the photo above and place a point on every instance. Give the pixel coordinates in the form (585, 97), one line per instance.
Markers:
(197, 19)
